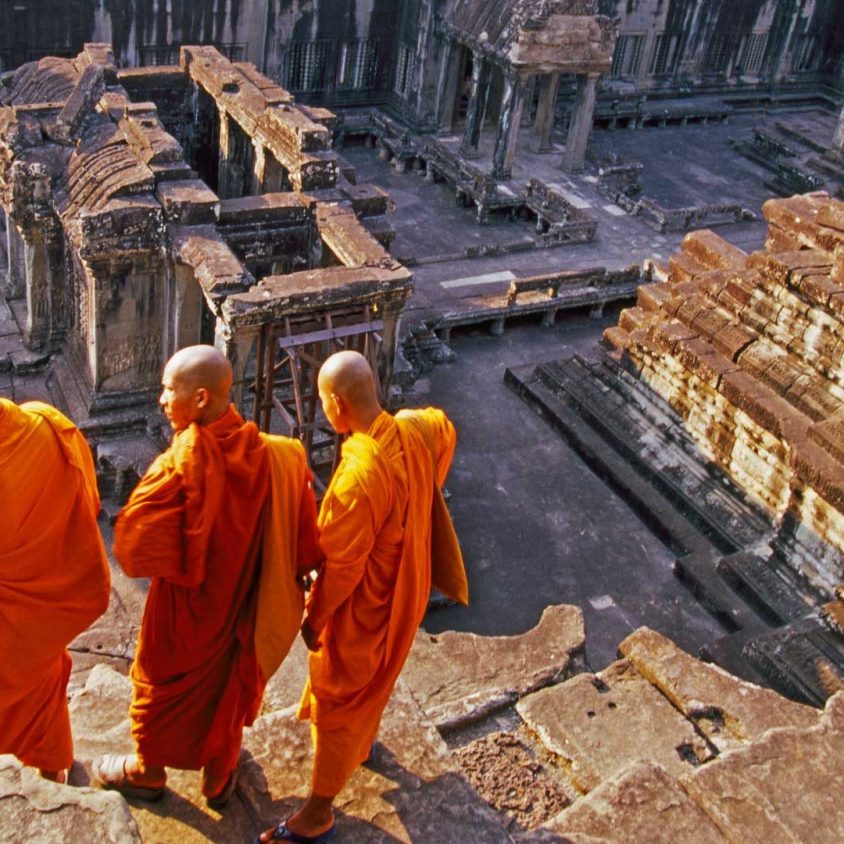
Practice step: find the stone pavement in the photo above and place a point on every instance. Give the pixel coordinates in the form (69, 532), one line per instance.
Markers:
(657, 747)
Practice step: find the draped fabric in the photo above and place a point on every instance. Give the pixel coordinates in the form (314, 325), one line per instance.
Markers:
(54, 576)
(194, 524)
(372, 593)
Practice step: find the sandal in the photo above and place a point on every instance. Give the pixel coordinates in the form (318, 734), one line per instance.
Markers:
(109, 771)
(282, 833)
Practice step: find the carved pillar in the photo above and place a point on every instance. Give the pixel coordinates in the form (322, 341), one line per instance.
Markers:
(391, 315)
(273, 173)
(838, 138)
(259, 169)
(189, 303)
(238, 346)
(509, 122)
(544, 122)
(15, 271)
(224, 165)
(581, 122)
(477, 106)
(37, 293)
(447, 86)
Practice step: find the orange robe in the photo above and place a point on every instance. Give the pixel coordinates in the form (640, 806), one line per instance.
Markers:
(195, 525)
(372, 593)
(54, 576)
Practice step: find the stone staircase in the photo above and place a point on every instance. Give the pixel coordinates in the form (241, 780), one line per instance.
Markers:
(491, 739)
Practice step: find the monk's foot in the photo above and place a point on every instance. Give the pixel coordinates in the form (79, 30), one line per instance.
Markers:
(283, 832)
(54, 776)
(125, 774)
(216, 795)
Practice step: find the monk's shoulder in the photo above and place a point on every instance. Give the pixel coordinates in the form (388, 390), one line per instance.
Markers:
(363, 468)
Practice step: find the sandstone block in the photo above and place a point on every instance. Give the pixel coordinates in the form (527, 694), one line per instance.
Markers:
(459, 677)
(729, 711)
(754, 793)
(598, 725)
(642, 803)
(651, 297)
(33, 809)
(713, 251)
(829, 434)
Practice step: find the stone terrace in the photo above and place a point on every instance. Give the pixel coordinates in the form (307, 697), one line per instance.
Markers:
(656, 747)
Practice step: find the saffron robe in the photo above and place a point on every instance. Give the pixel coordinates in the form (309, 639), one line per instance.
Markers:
(54, 576)
(372, 592)
(195, 525)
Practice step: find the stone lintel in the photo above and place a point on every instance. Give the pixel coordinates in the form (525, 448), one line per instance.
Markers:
(279, 208)
(315, 290)
(216, 267)
(343, 233)
(190, 202)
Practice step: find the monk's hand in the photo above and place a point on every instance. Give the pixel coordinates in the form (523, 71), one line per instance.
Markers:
(310, 636)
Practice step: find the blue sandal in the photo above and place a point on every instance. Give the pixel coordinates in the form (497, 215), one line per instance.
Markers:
(282, 833)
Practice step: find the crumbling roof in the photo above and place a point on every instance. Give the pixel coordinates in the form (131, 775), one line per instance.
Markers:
(49, 80)
(543, 35)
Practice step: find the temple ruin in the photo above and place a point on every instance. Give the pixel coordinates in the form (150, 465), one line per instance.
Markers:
(608, 237)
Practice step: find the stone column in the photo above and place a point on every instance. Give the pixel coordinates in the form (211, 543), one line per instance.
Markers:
(477, 106)
(258, 169)
(581, 122)
(838, 138)
(544, 123)
(15, 271)
(273, 173)
(37, 294)
(447, 87)
(509, 122)
(224, 164)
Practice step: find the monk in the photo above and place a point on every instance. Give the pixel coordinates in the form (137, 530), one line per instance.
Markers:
(54, 578)
(196, 525)
(372, 592)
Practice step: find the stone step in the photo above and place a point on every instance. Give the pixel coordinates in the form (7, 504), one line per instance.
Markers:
(641, 427)
(804, 659)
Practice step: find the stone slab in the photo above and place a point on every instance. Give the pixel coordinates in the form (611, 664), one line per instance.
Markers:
(411, 792)
(459, 677)
(729, 711)
(32, 809)
(642, 803)
(786, 787)
(598, 725)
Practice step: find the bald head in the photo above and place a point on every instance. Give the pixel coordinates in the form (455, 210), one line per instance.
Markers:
(348, 391)
(196, 384)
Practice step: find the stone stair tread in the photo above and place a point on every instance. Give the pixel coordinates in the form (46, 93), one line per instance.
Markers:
(728, 710)
(596, 725)
(641, 803)
(783, 787)
(770, 588)
(804, 659)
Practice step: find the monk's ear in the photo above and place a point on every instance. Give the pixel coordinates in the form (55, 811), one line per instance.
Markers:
(202, 397)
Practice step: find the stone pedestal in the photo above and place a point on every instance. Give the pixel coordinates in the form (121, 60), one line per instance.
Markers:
(581, 123)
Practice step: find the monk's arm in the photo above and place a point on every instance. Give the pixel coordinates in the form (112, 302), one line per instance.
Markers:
(439, 434)
(309, 554)
(347, 538)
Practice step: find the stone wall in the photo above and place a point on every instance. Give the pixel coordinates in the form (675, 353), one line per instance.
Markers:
(749, 350)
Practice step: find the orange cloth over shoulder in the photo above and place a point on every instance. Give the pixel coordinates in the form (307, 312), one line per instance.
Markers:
(54, 576)
(372, 593)
(194, 525)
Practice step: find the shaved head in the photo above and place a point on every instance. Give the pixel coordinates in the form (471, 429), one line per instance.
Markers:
(196, 384)
(202, 366)
(348, 391)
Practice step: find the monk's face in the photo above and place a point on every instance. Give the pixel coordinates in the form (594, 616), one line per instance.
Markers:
(179, 399)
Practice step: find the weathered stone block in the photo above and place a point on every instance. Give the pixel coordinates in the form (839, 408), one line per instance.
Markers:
(729, 711)
(712, 251)
(598, 725)
(731, 340)
(829, 434)
(460, 677)
(188, 203)
(755, 794)
(641, 803)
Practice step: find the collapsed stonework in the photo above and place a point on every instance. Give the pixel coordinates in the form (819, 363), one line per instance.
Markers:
(119, 253)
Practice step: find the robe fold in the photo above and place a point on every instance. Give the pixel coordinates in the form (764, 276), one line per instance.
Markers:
(372, 592)
(197, 524)
(54, 576)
